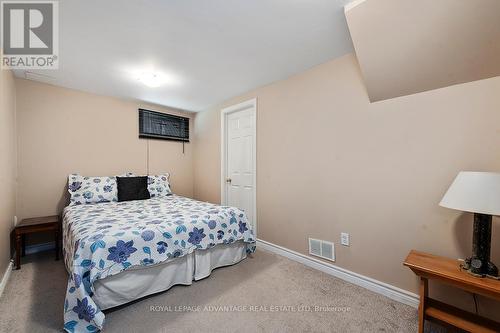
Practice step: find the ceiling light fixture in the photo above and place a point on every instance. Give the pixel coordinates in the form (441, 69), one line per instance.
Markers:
(152, 80)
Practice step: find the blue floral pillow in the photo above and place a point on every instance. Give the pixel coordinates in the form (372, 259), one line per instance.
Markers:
(127, 174)
(158, 185)
(88, 190)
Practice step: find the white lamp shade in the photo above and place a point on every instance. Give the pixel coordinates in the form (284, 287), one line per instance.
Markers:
(476, 192)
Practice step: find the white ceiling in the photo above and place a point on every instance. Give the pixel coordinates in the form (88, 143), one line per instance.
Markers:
(212, 50)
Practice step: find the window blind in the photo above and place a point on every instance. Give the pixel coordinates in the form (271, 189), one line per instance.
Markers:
(164, 126)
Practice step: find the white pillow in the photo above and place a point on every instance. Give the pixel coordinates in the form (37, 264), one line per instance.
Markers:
(158, 185)
(88, 190)
(127, 174)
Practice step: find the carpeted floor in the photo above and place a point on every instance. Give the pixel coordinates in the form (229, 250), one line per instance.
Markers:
(256, 288)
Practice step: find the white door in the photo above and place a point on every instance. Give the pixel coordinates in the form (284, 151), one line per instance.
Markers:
(239, 127)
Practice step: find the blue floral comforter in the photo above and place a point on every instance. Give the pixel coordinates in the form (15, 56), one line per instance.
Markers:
(105, 239)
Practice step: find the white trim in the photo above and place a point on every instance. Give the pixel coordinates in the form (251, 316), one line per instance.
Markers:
(379, 287)
(35, 248)
(252, 103)
(5, 278)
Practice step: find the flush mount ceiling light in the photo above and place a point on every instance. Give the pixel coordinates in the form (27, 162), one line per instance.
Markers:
(149, 75)
(152, 79)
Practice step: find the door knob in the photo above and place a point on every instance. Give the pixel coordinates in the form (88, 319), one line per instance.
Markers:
(228, 180)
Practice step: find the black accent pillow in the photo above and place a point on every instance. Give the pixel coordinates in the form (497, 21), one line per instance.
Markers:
(132, 188)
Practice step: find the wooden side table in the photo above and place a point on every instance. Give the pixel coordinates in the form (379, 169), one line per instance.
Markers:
(445, 270)
(31, 226)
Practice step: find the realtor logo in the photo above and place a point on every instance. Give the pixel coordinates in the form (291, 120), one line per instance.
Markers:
(30, 34)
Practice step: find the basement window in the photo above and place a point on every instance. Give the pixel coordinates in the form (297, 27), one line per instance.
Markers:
(157, 125)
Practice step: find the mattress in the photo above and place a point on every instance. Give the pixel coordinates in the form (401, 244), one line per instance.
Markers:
(103, 240)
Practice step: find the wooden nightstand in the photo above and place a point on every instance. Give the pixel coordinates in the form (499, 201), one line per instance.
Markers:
(444, 270)
(31, 226)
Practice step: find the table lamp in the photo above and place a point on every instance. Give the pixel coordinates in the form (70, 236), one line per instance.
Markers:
(478, 193)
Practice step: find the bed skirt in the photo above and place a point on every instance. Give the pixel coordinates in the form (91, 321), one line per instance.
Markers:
(138, 282)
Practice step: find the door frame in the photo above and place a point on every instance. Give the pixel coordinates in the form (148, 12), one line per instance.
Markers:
(252, 103)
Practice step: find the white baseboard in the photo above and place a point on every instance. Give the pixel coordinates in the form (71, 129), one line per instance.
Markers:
(30, 249)
(5, 277)
(379, 287)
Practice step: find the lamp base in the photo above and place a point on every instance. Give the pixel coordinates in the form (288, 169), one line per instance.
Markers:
(490, 272)
(479, 264)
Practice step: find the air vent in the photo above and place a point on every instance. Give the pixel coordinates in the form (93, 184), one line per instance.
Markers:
(322, 249)
(315, 247)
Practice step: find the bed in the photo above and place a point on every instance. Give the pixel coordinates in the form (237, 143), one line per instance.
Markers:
(116, 252)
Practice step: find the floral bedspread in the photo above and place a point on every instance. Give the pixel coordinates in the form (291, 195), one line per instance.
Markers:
(105, 239)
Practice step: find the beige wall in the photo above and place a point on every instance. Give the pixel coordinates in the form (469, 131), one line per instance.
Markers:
(8, 169)
(328, 161)
(62, 131)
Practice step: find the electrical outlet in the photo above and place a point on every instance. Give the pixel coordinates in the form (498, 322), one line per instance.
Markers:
(344, 238)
